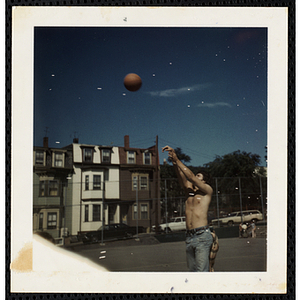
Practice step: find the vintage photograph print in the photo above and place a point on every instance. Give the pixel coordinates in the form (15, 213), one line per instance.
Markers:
(153, 140)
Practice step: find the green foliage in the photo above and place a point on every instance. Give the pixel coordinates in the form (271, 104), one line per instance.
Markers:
(168, 174)
(238, 172)
(235, 164)
(234, 171)
(167, 171)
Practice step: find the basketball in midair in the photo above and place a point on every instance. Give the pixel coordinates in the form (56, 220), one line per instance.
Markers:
(132, 82)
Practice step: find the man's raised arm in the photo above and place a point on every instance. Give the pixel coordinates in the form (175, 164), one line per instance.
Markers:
(187, 172)
(184, 183)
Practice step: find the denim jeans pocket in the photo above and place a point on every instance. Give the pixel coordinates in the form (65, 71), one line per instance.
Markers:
(208, 238)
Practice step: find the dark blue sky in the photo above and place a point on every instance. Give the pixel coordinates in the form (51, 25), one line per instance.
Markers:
(204, 89)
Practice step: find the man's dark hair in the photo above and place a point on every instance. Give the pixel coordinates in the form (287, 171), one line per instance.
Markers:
(206, 176)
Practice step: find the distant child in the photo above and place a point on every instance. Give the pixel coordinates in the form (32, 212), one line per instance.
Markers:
(253, 229)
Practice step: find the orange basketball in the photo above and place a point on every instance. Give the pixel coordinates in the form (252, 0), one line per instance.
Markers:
(132, 82)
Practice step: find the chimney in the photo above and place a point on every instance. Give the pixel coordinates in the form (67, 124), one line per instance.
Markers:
(75, 141)
(45, 142)
(126, 141)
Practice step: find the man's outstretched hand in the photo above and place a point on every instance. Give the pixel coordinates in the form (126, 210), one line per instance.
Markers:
(172, 154)
(167, 148)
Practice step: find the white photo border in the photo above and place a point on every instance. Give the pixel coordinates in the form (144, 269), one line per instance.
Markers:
(41, 279)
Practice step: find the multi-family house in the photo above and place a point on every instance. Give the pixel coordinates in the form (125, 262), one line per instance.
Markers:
(139, 185)
(95, 183)
(51, 170)
(116, 185)
(79, 187)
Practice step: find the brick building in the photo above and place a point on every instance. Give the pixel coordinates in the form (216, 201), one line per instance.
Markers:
(139, 185)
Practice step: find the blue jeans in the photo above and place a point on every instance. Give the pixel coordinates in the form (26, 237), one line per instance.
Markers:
(197, 250)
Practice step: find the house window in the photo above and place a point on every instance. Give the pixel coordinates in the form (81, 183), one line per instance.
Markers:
(130, 157)
(143, 183)
(42, 188)
(105, 155)
(135, 212)
(87, 155)
(39, 158)
(52, 221)
(144, 211)
(97, 182)
(41, 220)
(53, 188)
(96, 212)
(86, 182)
(58, 159)
(140, 181)
(147, 158)
(134, 182)
(49, 188)
(86, 213)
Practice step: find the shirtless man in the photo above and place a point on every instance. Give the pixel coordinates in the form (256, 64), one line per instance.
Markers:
(198, 236)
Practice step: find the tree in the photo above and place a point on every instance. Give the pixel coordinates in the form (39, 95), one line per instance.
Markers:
(235, 164)
(232, 171)
(235, 171)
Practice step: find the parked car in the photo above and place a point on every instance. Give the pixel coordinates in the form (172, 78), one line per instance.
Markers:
(112, 231)
(235, 217)
(175, 224)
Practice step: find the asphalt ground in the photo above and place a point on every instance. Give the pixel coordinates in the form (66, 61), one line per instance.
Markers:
(149, 255)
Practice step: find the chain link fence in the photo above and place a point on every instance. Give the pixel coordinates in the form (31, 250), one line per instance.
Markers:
(231, 195)
(235, 197)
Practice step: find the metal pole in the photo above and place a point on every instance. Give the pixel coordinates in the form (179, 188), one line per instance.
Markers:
(166, 205)
(241, 204)
(80, 208)
(261, 196)
(137, 209)
(157, 186)
(103, 198)
(180, 206)
(217, 193)
(64, 209)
